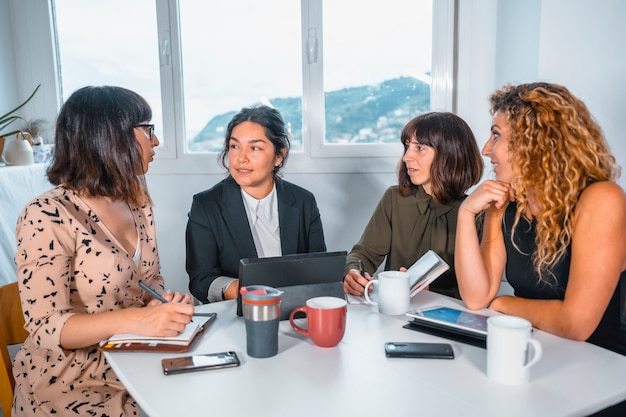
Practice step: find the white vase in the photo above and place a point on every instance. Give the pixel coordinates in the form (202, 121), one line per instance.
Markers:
(18, 152)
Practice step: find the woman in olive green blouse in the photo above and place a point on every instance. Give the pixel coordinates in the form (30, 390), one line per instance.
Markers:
(441, 162)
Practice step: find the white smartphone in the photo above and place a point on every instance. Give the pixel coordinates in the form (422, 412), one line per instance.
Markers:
(199, 362)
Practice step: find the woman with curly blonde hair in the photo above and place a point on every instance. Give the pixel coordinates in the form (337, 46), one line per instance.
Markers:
(554, 221)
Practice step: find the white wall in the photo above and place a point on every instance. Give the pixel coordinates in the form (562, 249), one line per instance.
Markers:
(8, 90)
(576, 43)
(582, 47)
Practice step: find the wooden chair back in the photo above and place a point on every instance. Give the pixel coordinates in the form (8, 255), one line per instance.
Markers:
(11, 333)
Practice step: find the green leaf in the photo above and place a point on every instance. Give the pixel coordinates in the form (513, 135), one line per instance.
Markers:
(9, 118)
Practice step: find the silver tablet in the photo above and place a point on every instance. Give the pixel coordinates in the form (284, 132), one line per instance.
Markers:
(451, 319)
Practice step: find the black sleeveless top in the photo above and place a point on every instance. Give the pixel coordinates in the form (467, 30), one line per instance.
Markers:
(525, 281)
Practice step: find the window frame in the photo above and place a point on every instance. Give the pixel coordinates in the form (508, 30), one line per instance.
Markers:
(172, 158)
(441, 88)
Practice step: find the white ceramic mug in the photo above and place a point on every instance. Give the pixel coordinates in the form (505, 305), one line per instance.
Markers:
(508, 349)
(393, 292)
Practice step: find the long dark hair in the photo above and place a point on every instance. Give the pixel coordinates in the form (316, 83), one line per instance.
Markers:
(457, 164)
(96, 151)
(274, 127)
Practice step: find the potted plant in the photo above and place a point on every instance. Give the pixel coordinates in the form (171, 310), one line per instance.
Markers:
(42, 151)
(10, 117)
(35, 127)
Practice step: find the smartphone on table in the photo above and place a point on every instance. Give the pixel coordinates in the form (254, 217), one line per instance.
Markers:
(419, 350)
(203, 362)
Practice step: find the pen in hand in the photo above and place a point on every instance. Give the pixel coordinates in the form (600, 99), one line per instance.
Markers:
(362, 268)
(152, 292)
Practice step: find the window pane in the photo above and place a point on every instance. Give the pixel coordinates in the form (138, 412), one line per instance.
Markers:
(235, 54)
(377, 66)
(110, 43)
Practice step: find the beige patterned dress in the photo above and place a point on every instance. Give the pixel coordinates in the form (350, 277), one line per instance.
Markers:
(68, 262)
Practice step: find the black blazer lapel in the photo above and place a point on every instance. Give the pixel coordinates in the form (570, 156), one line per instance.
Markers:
(288, 216)
(236, 218)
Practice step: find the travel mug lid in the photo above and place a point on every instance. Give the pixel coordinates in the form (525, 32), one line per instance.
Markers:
(260, 295)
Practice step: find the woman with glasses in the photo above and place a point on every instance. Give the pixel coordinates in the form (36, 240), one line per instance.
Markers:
(83, 248)
(253, 212)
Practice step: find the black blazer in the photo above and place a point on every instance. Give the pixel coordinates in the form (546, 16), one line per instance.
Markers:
(218, 233)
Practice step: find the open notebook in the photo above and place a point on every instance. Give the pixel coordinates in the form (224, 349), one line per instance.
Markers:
(129, 342)
(425, 270)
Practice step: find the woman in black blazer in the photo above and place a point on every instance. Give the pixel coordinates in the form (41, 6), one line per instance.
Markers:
(252, 213)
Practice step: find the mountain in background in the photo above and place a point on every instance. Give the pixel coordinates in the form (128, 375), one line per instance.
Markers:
(366, 114)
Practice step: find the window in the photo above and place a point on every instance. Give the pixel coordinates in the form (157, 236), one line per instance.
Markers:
(97, 46)
(376, 69)
(345, 75)
(234, 54)
(90, 52)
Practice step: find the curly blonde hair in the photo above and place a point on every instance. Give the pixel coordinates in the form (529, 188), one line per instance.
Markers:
(557, 149)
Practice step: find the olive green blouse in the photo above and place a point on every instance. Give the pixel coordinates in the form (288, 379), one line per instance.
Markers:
(402, 229)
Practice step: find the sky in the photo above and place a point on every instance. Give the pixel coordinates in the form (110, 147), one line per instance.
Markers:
(237, 51)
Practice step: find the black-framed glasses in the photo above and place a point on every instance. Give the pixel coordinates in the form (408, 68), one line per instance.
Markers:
(150, 128)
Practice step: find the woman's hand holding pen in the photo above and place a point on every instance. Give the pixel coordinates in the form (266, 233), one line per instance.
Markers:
(168, 312)
(162, 319)
(173, 297)
(355, 281)
(166, 297)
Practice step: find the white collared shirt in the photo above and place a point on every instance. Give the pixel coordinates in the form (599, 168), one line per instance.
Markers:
(264, 224)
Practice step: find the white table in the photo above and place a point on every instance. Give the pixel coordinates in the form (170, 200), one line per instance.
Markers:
(18, 185)
(356, 379)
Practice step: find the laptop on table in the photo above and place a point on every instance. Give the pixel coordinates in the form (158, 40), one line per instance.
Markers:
(300, 276)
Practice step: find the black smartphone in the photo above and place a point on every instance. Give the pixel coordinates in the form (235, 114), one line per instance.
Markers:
(419, 350)
(199, 362)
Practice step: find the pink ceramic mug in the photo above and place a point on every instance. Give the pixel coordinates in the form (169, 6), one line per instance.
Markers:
(326, 320)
